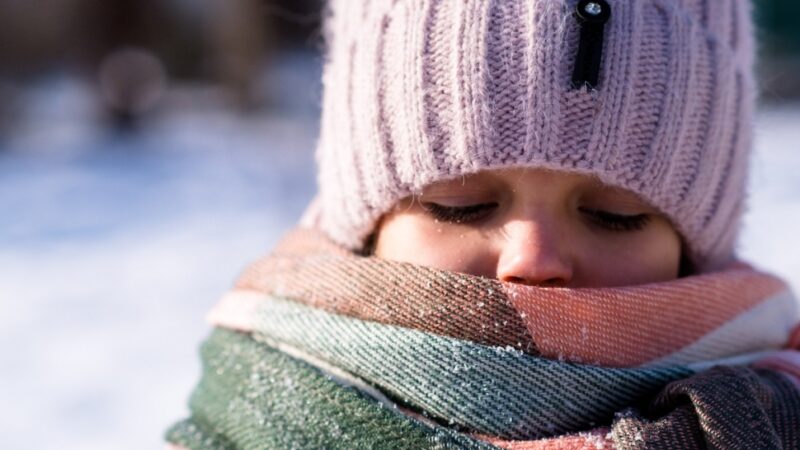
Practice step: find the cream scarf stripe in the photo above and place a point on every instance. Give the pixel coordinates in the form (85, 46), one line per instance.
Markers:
(765, 327)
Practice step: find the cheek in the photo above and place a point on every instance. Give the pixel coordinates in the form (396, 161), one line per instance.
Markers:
(416, 240)
(652, 255)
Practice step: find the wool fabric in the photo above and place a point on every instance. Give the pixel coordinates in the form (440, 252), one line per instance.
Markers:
(316, 347)
(419, 91)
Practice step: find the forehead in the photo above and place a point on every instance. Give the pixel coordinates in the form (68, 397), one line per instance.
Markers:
(520, 177)
(531, 182)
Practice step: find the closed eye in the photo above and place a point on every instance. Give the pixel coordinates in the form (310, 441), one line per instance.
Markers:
(616, 222)
(459, 214)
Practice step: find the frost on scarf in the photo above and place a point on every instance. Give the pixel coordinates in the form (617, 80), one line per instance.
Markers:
(318, 348)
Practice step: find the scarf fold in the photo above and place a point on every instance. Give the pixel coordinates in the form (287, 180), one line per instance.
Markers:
(320, 348)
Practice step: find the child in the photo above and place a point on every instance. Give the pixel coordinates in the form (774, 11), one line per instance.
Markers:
(524, 238)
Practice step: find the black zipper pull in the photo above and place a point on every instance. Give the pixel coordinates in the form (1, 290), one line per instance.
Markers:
(592, 16)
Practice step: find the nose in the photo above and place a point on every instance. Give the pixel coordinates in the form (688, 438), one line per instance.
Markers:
(533, 254)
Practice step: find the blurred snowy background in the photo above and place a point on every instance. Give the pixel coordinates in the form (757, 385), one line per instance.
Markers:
(150, 149)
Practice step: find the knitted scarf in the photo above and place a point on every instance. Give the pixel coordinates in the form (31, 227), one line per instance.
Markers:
(316, 347)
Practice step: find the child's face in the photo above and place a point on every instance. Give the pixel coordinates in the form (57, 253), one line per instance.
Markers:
(534, 227)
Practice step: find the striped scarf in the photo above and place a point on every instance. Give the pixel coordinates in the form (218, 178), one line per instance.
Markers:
(316, 347)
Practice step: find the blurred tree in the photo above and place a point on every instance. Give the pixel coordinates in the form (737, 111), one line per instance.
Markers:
(34, 35)
(778, 21)
(241, 42)
(105, 26)
(779, 42)
(245, 34)
(38, 36)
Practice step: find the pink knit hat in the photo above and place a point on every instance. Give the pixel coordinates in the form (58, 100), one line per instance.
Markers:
(654, 96)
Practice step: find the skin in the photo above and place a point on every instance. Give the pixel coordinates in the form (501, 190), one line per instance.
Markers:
(537, 227)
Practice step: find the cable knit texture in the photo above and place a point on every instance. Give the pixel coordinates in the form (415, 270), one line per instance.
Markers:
(417, 91)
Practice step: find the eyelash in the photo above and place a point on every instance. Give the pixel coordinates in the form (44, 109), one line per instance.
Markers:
(459, 214)
(616, 222)
(473, 213)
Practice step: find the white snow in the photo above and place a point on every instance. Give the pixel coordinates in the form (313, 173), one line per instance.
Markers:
(770, 235)
(113, 247)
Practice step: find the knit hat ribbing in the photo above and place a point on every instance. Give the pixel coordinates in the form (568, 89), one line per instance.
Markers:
(417, 91)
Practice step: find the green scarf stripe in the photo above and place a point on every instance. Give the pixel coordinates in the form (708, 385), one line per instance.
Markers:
(259, 398)
(497, 391)
(189, 434)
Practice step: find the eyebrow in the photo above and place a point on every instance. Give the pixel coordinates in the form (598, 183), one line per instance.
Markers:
(625, 198)
(454, 190)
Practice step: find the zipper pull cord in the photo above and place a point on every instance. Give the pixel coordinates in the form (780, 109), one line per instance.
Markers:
(592, 16)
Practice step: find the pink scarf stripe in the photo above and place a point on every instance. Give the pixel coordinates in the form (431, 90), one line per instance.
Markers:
(598, 439)
(641, 323)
